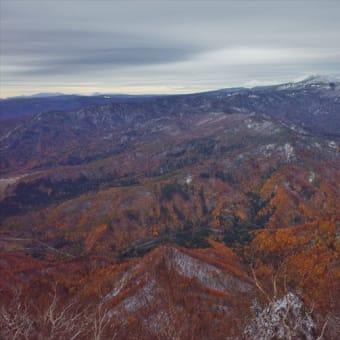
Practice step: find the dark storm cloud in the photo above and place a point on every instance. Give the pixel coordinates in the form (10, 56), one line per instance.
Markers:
(39, 45)
(71, 51)
(170, 44)
(105, 58)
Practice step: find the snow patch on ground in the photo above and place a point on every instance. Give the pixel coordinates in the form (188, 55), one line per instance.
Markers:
(115, 291)
(283, 318)
(109, 136)
(332, 145)
(268, 149)
(143, 296)
(311, 177)
(206, 274)
(212, 118)
(6, 182)
(188, 179)
(264, 126)
(289, 151)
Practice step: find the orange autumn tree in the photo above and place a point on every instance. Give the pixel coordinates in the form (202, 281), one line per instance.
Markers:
(302, 259)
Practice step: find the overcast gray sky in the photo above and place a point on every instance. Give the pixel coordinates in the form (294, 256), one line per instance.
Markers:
(80, 46)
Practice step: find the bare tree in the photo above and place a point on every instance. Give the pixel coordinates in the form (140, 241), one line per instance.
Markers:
(103, 323)
(56, 318)
(26, 319)
(61, 320)
(15, 319)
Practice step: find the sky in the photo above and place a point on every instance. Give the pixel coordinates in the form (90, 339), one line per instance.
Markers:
(159, 46)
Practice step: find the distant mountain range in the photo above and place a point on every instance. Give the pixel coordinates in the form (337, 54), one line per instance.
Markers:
(12, 108)
(43, 102)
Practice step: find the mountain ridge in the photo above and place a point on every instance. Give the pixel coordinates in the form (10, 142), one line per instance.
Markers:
(167, 216)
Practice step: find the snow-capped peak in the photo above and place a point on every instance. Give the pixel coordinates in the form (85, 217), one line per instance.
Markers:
(321, 81)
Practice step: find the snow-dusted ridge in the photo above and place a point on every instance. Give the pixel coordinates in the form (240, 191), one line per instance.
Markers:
(320, 81)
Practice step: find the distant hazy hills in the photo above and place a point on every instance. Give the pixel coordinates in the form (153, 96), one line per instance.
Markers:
(15, 107)
(312, 103)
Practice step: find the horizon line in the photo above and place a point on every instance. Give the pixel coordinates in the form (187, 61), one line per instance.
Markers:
(179, 90)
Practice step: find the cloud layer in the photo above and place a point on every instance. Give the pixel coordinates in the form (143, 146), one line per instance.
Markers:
(163, 46)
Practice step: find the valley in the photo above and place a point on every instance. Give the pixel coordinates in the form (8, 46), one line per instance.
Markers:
(173, 213)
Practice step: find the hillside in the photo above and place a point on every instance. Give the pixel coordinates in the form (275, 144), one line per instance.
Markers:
(226, 194)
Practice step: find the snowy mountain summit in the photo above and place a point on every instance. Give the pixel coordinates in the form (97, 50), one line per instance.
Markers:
(313, 81)
(320, 79)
